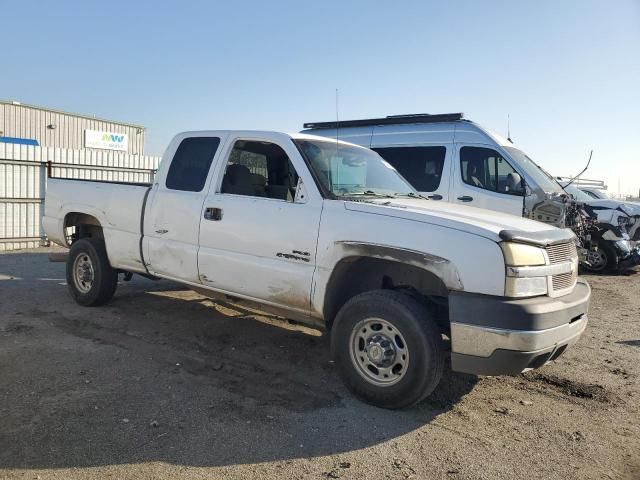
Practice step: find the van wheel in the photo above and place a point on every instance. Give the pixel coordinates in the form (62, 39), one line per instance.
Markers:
(387, 348)
(90, 278)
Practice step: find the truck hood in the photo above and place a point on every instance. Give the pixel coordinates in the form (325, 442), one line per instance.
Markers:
(478, 221)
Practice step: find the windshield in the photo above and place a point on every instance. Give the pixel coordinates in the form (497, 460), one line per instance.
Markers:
(577, 194)
(600, 194)
(347, 170)
(542, 178)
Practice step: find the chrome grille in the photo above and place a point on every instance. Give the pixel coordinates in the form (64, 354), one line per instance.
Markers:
(562, 252)
(563, 280)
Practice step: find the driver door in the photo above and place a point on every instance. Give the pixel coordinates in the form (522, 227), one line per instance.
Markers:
(259, 224)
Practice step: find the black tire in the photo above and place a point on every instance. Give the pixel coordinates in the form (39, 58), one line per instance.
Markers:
(612, 256)
(104, 279)
(610, 259)
(417, 329)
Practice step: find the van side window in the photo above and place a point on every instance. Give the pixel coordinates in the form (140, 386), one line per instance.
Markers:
(485, 168)
(191, 162)
(259, 169)
(421, 166)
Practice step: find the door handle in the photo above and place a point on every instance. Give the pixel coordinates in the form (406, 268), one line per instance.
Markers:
(213, 213)
(435, 196)
(162, 231)
(465, 198)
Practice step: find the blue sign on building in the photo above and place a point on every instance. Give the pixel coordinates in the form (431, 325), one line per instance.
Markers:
(19, 141)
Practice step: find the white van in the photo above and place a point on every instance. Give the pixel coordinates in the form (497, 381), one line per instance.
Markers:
(446, 157)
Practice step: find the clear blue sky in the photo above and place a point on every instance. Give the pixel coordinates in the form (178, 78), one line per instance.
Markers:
(567, 72)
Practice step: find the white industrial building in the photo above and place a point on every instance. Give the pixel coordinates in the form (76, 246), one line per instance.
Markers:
(75, 145)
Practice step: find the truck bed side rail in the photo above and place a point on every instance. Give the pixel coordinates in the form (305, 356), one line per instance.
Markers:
(150, 172)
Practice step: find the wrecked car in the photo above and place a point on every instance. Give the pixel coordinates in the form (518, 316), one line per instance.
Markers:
(605, 231)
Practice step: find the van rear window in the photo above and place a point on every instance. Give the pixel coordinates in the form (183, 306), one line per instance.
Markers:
(420, 166)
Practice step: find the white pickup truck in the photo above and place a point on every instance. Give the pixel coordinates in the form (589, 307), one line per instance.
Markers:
(329, 234)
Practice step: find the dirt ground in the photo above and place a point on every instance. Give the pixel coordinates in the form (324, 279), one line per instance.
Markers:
(163, 383)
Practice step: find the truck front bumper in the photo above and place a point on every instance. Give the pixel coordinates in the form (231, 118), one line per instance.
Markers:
(502, 336)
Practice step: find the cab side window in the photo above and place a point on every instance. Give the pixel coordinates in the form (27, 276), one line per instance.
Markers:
(420, 166)
(259, 169)
(487, 169)
(190, 165)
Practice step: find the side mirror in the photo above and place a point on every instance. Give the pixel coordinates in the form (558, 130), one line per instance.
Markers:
(516, 184)
(524, 187)
(301, 193)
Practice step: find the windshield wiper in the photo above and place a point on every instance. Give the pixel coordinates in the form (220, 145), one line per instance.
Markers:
(411, 195)
(369, 193)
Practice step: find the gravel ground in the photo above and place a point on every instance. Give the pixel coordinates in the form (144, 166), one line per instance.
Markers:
(163, 383)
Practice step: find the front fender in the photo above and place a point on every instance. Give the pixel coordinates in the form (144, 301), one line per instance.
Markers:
(440, 267)
(345, 251)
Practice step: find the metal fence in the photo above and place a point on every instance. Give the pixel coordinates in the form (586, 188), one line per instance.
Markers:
(23, 178)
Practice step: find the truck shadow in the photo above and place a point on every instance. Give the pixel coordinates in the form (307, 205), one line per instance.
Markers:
(162, 374)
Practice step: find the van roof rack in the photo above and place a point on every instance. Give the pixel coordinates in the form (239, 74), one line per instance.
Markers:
(389, 120)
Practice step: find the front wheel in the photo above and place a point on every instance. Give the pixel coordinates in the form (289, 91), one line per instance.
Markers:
(387, 348)
(602, 258)
(90, 278)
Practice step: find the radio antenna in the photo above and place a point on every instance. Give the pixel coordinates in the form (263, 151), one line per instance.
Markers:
(337, 120)
(584, 170)
(509, 129)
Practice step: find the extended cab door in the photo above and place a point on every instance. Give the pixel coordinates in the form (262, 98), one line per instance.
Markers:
(174, 206)
(260, 223)
(484, 178)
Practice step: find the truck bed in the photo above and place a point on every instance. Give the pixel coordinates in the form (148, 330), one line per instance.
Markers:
(117, 206)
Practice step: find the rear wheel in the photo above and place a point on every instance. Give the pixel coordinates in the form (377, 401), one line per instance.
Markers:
(90, 278)
(387, 348)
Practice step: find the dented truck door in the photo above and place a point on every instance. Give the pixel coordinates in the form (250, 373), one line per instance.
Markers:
(172, 213)
(259, 224)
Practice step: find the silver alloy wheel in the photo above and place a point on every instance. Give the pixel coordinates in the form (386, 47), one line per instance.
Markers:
(83, 273)
(379, 352)
(597, 260)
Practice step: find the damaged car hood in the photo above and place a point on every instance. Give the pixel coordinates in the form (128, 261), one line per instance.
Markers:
(486, 223)
(625, 207)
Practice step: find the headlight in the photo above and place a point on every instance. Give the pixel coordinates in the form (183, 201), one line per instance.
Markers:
(622, 221)
(520, 255)
(525, 286)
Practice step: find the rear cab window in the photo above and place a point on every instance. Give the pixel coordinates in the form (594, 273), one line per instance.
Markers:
(191, 163)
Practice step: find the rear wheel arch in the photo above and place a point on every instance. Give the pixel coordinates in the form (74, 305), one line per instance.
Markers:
(79, 225)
